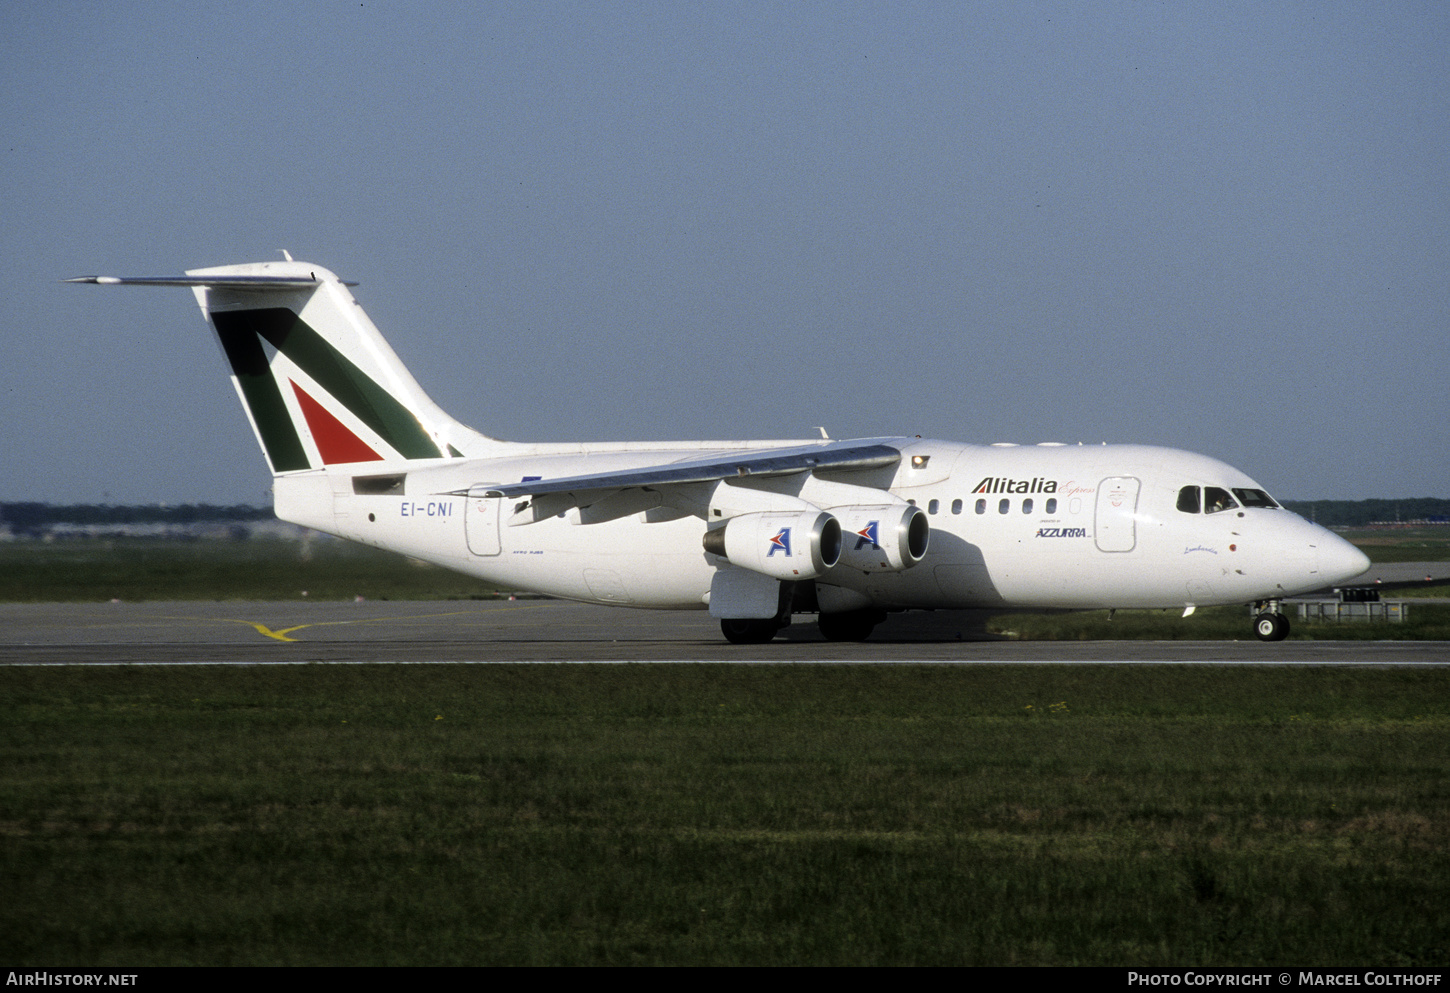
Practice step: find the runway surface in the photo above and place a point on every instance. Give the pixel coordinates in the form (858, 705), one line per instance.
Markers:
(556, 631)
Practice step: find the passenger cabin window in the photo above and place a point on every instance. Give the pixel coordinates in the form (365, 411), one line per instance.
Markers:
(1255, 498)
(1003, 506)
(1188, 500)
(981, 506)
(933, 506)
(1027, 506)
(1216, 500)
(1052, 505)
(956, 506)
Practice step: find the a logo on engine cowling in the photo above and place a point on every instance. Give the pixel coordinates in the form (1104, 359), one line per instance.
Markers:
(780, 543)
(868, 536)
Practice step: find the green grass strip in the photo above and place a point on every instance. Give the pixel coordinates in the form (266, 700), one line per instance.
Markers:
(657, 814)
(139, 569)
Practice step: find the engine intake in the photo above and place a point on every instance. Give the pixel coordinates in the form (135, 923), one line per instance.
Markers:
(887, 538)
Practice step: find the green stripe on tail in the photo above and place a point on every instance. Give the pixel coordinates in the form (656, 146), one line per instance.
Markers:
(329, 368)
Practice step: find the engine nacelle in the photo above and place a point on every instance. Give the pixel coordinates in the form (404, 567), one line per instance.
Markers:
(784, 544)
(888, 538)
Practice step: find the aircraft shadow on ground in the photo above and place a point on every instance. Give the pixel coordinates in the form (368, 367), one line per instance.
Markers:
(912, 625)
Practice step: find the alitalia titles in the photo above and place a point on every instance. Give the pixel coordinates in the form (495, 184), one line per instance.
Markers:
(1000, 484)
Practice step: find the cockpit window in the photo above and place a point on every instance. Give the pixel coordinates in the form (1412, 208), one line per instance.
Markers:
(1215, 500)
(1255, 498)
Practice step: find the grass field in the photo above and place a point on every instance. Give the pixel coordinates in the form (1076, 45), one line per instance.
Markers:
(1408, 544)
(720, 814)
(256, 569)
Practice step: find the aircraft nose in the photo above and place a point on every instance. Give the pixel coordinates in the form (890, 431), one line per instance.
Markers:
(1339, 560)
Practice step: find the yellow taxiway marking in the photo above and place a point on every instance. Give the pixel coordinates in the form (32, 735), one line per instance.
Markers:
(281, 633)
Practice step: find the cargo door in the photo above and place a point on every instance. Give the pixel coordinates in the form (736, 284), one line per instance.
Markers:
(1114, 524)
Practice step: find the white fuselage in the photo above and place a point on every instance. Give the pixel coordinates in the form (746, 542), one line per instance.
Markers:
(753, 530)
(1042, 526)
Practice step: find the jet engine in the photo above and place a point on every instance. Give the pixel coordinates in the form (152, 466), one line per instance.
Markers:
(887, 538)
(784, 545)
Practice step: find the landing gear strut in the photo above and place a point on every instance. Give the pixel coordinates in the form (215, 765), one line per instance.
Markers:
(1270, 624)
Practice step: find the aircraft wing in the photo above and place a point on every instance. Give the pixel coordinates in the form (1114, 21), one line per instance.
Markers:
(870, 453)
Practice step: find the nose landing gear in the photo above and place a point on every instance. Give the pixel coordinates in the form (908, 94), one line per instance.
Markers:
(1270, 624)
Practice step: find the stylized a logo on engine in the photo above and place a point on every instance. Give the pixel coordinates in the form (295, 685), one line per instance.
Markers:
(868, 536)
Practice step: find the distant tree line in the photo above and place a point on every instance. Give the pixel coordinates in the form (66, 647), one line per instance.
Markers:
(32, 517)
(1357, 513)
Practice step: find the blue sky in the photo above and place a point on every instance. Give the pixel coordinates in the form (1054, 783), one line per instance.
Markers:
(1221, 227)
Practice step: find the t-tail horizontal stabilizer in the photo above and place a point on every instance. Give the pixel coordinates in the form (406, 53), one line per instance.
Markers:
(319, 383)
(217, 282)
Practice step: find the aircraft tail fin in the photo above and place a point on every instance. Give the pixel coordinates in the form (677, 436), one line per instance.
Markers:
(318, 381)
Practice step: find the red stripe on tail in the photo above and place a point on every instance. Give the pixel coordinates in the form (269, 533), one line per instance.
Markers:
(335, 442)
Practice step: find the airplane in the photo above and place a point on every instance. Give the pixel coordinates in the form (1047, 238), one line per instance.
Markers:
(755, 532)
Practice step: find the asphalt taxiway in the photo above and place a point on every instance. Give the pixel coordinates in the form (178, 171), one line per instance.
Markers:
(526, 630)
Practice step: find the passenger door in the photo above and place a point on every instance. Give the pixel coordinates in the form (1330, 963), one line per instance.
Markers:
(1114, 525)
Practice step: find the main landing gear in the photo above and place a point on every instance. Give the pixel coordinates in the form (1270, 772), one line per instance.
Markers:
(850, 625)
(841, 625)
(749, 631)
(1270, 624)
(759, 630)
